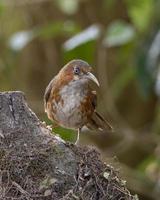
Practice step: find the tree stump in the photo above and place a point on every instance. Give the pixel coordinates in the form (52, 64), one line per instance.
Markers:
(35, 164)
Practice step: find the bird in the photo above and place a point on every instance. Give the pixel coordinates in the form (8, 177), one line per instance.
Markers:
(70, 101)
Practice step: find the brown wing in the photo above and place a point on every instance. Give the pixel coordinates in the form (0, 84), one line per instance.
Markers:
(97, 121)
(48, 93)
(94, 99)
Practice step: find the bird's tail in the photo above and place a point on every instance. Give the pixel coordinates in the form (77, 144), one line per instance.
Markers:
(98, 122)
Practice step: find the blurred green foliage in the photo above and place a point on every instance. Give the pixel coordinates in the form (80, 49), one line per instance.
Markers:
(121, 40)
(141, 13)
(119, 33)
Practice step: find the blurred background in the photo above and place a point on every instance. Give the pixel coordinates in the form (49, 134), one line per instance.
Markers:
(121, 40)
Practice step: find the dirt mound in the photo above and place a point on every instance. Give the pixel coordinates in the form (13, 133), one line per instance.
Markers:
(34, 164)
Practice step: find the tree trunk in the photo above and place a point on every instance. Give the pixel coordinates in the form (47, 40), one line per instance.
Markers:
(34, 164)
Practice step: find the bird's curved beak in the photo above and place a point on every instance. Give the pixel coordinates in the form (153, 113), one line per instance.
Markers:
(92, 77)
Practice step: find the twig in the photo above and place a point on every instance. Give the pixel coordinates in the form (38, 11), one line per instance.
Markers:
(27, 195)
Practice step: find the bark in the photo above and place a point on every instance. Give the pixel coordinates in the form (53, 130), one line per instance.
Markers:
(35, 164)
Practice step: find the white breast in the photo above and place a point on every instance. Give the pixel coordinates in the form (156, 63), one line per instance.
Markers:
(68, 112)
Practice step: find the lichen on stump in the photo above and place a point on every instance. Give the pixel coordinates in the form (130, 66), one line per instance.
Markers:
(35, 164)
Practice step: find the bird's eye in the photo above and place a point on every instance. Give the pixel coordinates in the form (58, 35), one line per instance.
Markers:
(77, 70)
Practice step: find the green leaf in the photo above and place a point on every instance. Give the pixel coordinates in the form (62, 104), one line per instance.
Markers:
(119, 33)
(141, 12)
(85, 51)
(66, 134)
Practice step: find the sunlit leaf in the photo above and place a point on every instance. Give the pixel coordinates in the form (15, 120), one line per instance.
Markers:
(154, 53)
(68, 6)
(89, 34)
(20, 39)
(157, 84)
(153, 63)
(119, 33)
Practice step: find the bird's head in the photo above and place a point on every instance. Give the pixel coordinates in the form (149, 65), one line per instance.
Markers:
(78, 70)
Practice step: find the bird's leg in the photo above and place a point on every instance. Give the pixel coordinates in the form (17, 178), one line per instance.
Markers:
(77, 140)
